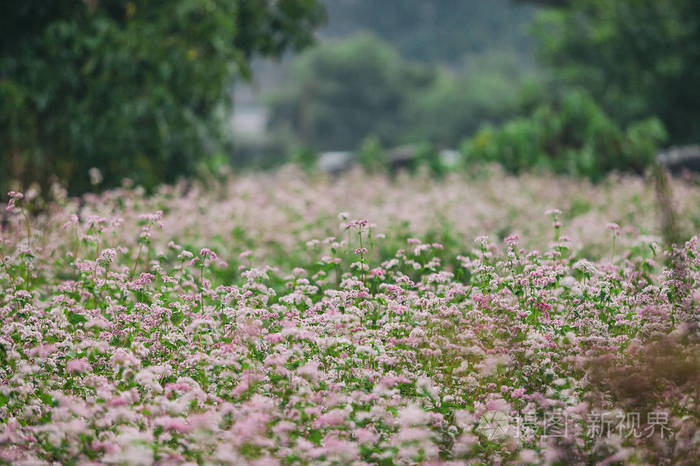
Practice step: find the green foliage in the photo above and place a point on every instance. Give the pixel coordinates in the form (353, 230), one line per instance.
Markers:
(633, 66)
(569, 134)
(344, 92)
(75, 318)
(427, 155)
(438, 31)
(371, 156)
(637, 58)
(134, 88)
(304, 157)
(259, 155)
(487, 88)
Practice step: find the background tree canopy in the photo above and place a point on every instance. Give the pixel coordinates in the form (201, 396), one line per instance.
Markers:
(136, 88)
(614, 80)
(437, 31)
(343, 91)
(637, 58)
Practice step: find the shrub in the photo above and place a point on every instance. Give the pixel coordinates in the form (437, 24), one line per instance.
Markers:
(345, 91)
(135, 88)
(637, 58)
(371, 155)
(570, 135)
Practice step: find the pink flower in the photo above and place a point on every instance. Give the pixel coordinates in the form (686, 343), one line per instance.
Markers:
(310, 370)
(274, 338)
(412, 415)
(481, 300)
(364, 435)
(118, 401)
(78, 365)
(342, 449)
(265, 461)
(332, 418)
(250, 429)
(43, 350)
(174, 424)
(107, 256)
(512, 239)
(14, 197)
(144, 279)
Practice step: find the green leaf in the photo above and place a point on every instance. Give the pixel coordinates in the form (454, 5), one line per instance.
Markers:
(315, 436)
(47, 399)
(168, 344)
(177, 317)
(75, 318)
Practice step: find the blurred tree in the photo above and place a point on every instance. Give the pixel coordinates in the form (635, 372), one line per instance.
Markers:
(486, 90)
(637, 58)
(342, 92)
(371, 156)
(568, 134)
(136, 88)
(441, 31)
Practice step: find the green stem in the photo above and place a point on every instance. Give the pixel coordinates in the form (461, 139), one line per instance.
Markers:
(136, 261)
(7, 270)
(362, 255)
(201, 291)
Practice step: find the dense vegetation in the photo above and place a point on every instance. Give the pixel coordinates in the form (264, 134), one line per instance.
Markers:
(527, 300)
(616, 81)
(135, 88)
(242, 325)
(637, 58)
(343, 92)
(568, 134)
(437, 31)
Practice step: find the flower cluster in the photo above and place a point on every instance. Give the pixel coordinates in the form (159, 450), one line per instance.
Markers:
(121, 344)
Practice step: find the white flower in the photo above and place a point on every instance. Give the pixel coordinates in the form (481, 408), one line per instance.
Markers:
(412, 415)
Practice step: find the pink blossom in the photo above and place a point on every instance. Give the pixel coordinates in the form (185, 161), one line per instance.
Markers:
(78, 365)
(412, 415)
(173, 424)
(332, 418)
(14, 197)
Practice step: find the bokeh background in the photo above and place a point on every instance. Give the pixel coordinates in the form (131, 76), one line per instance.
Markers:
(154, 90)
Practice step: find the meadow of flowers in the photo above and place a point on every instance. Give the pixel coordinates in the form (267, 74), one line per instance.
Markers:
(282, 319)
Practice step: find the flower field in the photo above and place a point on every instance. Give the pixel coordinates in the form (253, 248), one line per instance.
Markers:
(282, 319)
